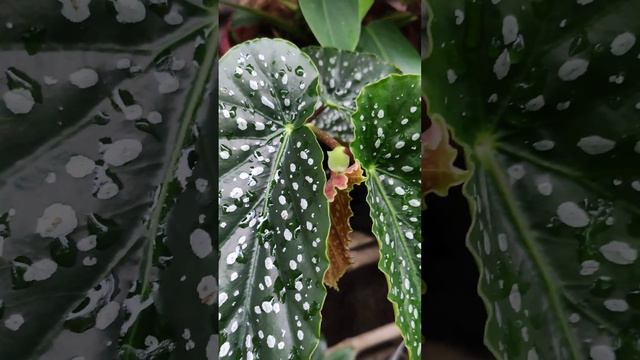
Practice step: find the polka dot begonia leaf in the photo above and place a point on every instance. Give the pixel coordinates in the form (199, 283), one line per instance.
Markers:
(343, 74)
(274, 218)
(387, 144)
(544, 97)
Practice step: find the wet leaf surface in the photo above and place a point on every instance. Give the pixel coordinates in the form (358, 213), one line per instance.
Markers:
(439, 173)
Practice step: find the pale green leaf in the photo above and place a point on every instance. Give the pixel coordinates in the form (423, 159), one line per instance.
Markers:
(363, 7)
(105, 140)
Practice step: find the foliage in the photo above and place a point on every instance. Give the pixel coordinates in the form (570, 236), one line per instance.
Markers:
(383, 38)
(274, 217)
(284, 230)
(106, 168)
(439, 173)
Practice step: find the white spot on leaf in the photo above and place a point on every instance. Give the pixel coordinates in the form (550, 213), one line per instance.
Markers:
(595, 145)
(18, 101)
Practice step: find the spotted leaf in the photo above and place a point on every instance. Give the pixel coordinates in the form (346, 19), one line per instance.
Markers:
(343, 74)
(542, 94)
(106, 168)
(274, 218)
(387, 144)
(438, 171)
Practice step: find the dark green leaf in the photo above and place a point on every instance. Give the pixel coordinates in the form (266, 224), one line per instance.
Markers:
(335, 23)
(383, 38)
(543, 96)
(387, 144)
(274, 218)
(92, 209)
(343, 74)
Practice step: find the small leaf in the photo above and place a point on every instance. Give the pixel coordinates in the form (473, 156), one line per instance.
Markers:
(387, 144)
(343, 74)
(438, 172)
(383, 38)
(274, 218)
(340, 213)
(335, 23)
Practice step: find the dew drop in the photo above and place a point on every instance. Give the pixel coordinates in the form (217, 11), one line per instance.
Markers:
(572, 215)
(84, 78)
(622, 43)
(573, 69)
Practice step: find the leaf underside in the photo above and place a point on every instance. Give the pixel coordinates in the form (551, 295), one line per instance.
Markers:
(274, 218)
(335, 23)
(101, 144)
(340, 214)
(439, 173)
(542, 95)
(343, 74)
(387, 144)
